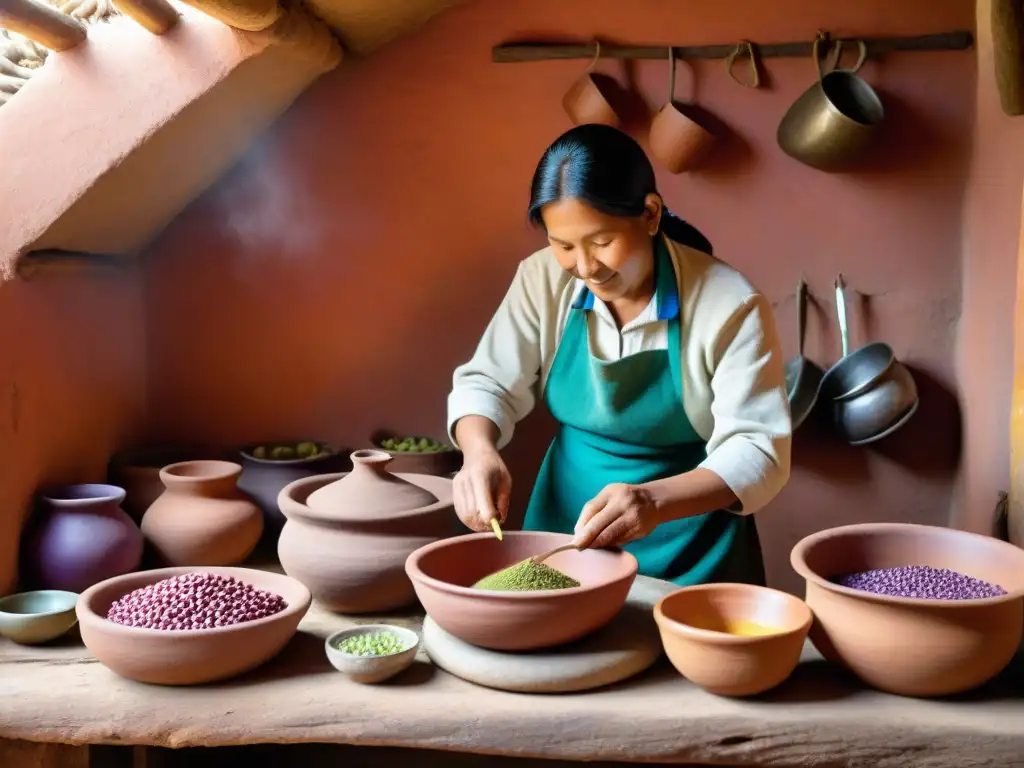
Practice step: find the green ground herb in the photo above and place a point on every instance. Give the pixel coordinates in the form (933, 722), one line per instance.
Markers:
(371, 644)
(526, 576)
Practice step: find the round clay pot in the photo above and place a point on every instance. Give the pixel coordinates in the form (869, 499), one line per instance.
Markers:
(442, 463)
(702, 630)
(444, 573)
(190, 656)
(913, 646)
(263, 479)
(347, 535)
(79, 537)
(202, 518)
(138, 472)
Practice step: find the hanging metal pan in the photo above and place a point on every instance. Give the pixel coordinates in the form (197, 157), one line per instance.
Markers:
(855, 371)
(803, 376)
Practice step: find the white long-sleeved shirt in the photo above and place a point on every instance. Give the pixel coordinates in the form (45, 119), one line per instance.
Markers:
(734, 389)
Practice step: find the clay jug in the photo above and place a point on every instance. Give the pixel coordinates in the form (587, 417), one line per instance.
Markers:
(348, 535)
(202, 517)
(80, 537)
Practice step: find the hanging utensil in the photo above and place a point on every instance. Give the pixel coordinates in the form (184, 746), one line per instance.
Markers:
(831, 125)
(747, 47)
(676, 139)
(858, 370)
(585, 102)
(873, 394)
(803, 377)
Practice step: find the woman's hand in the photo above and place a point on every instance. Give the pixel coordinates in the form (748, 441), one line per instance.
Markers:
(482, 489)
(619, 514)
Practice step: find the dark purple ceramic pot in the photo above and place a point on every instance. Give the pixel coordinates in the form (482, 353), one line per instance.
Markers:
(263, 480)
(79, 537)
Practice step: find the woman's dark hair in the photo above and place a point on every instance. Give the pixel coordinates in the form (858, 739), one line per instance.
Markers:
(606, 169)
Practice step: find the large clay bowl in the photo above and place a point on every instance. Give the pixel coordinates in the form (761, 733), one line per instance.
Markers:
(913, 646)
(188, 657)
(443, 574)
(733, 639)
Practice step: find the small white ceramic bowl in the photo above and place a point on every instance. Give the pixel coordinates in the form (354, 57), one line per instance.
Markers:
(372, 669)
(37, 617)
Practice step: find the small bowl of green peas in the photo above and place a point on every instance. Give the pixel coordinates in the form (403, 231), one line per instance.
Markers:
(372, 653)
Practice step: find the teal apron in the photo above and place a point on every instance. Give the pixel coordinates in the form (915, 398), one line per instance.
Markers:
(624, 422)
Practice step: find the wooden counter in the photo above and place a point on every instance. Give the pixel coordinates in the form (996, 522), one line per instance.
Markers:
(819, 718)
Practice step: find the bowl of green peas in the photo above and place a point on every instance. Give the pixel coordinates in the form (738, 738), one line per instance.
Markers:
(417, 454)
(372, 653)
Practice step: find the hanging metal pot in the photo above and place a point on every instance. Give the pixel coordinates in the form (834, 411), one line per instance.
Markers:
(831, 125)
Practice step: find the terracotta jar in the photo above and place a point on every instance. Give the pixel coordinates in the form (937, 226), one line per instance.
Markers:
(138, 472)
(348, 535)
(202, 517)
(80, 537)
(263, 479)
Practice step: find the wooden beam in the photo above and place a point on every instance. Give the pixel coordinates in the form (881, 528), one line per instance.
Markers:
(55, 262)
(513, 53)
(42, 24)
(157, 16)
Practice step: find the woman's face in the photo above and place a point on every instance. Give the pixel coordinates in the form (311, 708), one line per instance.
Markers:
(612, 254)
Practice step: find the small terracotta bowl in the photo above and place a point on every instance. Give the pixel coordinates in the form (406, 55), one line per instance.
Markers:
(442, 463)
(733, 639)
(443, 574)
(372, 669)
(37, 617)
(188, 657)
(913, 646)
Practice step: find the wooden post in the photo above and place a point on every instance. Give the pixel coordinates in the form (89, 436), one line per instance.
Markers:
(157, 16)
(1015, 509)
(42, 24)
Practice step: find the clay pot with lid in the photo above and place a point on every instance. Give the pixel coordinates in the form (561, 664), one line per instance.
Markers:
(202, 517)
(348, 534)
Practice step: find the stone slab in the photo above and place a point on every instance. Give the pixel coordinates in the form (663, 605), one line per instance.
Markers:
(627, 646)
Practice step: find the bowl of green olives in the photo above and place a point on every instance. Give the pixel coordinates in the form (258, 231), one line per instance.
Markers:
(418, 454)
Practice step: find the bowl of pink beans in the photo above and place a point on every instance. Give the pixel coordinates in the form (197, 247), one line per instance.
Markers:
(190, 625)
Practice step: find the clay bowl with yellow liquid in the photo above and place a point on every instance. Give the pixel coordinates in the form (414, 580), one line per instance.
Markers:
(733, 639)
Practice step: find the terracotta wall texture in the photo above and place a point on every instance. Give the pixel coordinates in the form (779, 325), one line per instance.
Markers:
(72, 388)
(331, 282)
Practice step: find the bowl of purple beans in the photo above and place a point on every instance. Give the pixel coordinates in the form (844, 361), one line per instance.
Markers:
(190, 625)
(915, 610)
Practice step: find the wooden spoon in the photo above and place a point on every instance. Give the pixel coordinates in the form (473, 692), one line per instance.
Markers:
(496, 527)
(538, 559)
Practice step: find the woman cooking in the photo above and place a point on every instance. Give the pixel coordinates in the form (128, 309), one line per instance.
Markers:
(660, 363)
